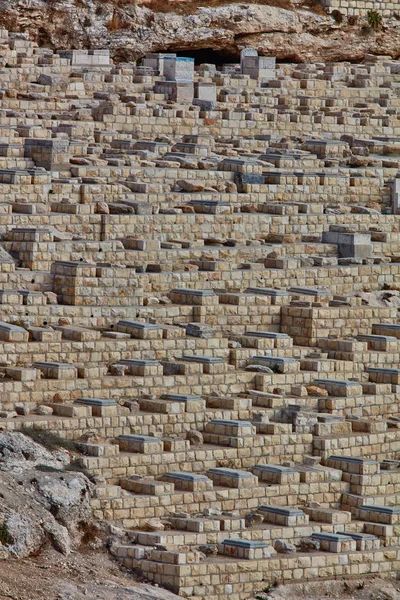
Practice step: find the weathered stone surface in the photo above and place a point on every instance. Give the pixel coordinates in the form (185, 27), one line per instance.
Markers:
(40, 501)
(312, 37)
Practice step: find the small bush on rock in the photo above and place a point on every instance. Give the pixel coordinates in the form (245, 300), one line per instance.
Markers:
(374, 19)
(5, 537)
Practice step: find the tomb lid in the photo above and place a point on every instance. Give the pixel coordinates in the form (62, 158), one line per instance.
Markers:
(186, 476)
(233, 473)
(309, 291)
(28, 293)
(209, 203)
(343, 382)
(180, 397)
(266, 291)
(202, 359)
(284, 360)
(59, 365)
(230, 423)
(244, 543)
(192, 292)
(96, 402)
(388, 510)
(330, 537)
(268, 334)
(10, 327)
(276, 469)
(383, 370)
(179, 58)
(351, 459)
(138, 362)
(377, 338)
(73, 263)
(138, 325)
(358, 536)
(278, 510)
(139, 438)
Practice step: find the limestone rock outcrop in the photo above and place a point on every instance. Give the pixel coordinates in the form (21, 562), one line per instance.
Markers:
(40, 502)
(131, 30)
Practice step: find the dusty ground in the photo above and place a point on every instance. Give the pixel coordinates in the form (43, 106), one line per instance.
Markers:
(88, 576)
(95, 576)
(356, 589)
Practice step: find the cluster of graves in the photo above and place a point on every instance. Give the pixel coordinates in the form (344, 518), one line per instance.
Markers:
(188, 256)
(385, 8)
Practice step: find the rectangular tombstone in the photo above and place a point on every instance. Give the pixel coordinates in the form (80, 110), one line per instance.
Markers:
(178, 91)
(340, 387)
(233, 478)
(155, 61)
(53, 370)
(395, 195)
(191, 296)
(142, 444)
(13, 333)
(280, 364)
(10, 297)
(258, 67)
(178, 68)
(246, 549)
(193, 482)
(387, 515)
(21, 374)
(391, 329)
(364, 541)
(211, 364)
(289, 517)
(277, 296)
(138, 330)
(205, 91)
(142, 368)
(337, 543)
(382, 375)
(192, 403)
(230, 428)
(147, 486)
(70, 410)
(276, 474)
(100, 407)
(348, 464)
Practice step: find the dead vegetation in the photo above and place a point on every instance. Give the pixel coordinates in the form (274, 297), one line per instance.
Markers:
(50, 441)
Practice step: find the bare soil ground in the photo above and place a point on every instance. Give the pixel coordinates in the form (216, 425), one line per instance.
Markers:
(89, 576)
(94, 575)
(352, 589)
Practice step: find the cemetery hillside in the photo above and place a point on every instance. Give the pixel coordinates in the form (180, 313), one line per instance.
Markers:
(199, 300)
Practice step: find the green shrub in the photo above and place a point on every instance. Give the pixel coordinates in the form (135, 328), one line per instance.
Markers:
(374, 19)
(5, 537)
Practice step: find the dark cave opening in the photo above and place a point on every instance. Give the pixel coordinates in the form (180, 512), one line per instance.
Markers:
(210, 56)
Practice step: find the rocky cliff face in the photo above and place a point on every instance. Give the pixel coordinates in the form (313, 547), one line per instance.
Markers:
(131, 30)
(40, 502)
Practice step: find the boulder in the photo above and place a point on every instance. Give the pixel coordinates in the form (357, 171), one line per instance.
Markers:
(309, 545)
(284, 547)
(188, 185)
(41, 502)
(315, 390)
(195, 437)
